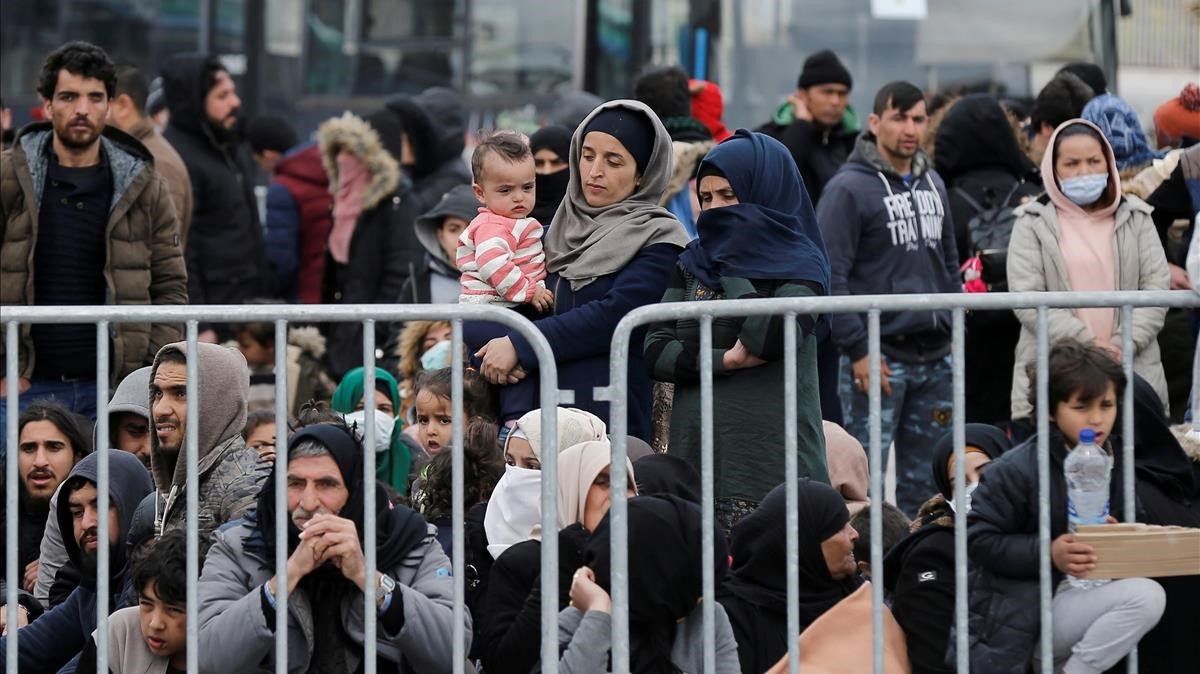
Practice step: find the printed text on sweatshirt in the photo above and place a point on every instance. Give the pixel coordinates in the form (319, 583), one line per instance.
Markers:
(501, 259)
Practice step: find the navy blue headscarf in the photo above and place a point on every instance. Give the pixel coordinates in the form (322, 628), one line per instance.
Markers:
(772, 233)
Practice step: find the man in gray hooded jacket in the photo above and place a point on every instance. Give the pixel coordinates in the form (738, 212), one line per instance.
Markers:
(230, 473)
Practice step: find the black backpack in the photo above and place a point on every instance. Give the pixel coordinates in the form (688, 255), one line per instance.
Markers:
(989, 231)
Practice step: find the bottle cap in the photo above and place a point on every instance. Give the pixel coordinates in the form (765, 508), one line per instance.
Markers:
(1087, 436)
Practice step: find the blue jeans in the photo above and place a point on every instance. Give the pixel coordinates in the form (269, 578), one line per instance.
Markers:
(78, 395)
(916, 415)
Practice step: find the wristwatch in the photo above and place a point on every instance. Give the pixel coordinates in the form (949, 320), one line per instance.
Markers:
(386, 585)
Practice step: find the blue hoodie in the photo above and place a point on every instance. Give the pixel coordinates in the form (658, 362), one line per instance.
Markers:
(52, 641)
(887, 236)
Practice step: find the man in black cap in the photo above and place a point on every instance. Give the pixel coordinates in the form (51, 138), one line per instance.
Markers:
(812, 122)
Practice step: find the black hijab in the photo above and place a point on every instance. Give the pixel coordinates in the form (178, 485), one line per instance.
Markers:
(398, 529)
(663, 474)
(976, 133)
(665, 581)
(990, 439)
(551, 188)
(1158, 456)
(772, 233)
(756, 590)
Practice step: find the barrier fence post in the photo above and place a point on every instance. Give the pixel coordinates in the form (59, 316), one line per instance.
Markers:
(958, 362)
(707, 493)
(1045, 590)
(103, 549)
(791, 478)
(457, 477)
(12, 381)
(370, 613)
(192, 487)
(281, 512)
(1127, 431)
(876, 453)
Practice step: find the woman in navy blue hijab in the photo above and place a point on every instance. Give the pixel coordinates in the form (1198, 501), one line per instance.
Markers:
(757, 237)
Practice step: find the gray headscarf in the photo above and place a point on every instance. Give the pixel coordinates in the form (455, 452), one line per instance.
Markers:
(585, 242)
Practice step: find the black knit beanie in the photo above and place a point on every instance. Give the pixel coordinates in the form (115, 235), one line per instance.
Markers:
(823, 67)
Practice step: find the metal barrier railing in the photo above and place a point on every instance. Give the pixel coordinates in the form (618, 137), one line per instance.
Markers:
(13, 317)
(616, 394)
(874, 305)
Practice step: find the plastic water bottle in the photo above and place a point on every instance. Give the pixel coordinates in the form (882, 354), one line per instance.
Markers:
(1087, 469)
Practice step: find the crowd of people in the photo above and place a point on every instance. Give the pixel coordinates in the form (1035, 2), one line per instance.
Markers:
(628, 203)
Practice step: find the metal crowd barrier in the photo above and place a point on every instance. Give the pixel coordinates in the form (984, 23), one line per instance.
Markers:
(616, 393)
(873, 306)
(191, 316)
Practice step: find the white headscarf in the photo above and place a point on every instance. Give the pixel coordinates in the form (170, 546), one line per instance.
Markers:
(578, 467)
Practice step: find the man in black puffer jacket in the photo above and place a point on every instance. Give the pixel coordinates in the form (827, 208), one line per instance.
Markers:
(226, 260)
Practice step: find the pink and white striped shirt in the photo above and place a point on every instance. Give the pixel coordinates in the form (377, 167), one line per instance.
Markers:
(501, 260)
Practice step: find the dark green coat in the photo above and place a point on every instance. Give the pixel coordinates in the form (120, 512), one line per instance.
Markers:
(748, 439)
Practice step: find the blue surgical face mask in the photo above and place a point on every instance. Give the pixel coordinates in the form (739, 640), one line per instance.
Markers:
(1086, 189)
(437, 357)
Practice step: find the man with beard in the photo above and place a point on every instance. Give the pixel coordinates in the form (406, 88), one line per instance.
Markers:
(229, 472)
(57, 637)
(414, 587)
(226, 260)
(52, 439)
(86, 221)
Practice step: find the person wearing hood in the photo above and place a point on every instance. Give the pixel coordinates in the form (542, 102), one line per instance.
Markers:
(551, 145)
(919, 571)
(299, 207)
(758, 237)
(510, 609)
(1085, 235)
(813, 121)
(365, 259)
(708, 107)
(884, 220)
(1095, 627)
(226, 258)
(86, 221)
(394, 450)
(438, 230)
(755, 592)
(665, 90)
(128, 430)
(229, 472)
(414, 587)
(666, 599)
(978, 156)
(667, 474)
(51, 643)
(1123, 131)
(610, 250)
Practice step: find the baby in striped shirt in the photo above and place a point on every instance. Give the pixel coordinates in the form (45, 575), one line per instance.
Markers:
(500, 253)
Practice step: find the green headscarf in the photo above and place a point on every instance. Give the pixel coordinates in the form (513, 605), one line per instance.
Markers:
(392, 467)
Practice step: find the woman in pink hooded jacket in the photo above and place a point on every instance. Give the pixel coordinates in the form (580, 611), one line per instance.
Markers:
(1084, 235)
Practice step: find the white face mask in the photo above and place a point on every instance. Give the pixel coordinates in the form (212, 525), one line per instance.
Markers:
(383, 427)
(971, 487)
(514, 510)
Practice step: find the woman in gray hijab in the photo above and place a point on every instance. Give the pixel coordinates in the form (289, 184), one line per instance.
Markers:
(609, 250)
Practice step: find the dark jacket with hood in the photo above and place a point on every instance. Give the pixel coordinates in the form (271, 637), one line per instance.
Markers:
(49, 643)
(1002, 540)
(376, 267)
(819, 150)
(977, 155)
(226, 261)
(888, 236)
(298, 222)
(143, 259)
(437, 280)
(230, 473)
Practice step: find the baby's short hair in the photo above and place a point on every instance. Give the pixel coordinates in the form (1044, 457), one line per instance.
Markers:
(513, 147)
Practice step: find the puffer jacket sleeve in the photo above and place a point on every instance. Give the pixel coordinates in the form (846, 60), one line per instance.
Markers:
(234, 635)
(1153, 274)
(1000, 508)
(427, 637)
(241, 479)
(1027, 273)
(584, 640)
(168, 272)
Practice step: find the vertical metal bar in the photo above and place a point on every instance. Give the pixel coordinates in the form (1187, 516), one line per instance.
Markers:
(707, 496)
(958, 358)
(102, 498)
(549, 560)
(281, 513)
(875, 433)
(192, 448)
(791, 471)
(1043, 449)
(12, 381)
(618, 518)
(370, 613)
(1130, 482)
(457, 514)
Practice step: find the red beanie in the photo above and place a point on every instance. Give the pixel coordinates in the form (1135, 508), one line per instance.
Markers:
(1179, 117)
(708, 106)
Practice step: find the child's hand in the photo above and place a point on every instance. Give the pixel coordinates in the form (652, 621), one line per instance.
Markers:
(543, 300)
(1072, 557)
(586, 595)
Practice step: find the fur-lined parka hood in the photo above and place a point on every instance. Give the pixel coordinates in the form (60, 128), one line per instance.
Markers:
(352, 134)
(687, 156)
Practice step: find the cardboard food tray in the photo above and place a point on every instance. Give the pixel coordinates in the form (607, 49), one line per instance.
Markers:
(1143, 550)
